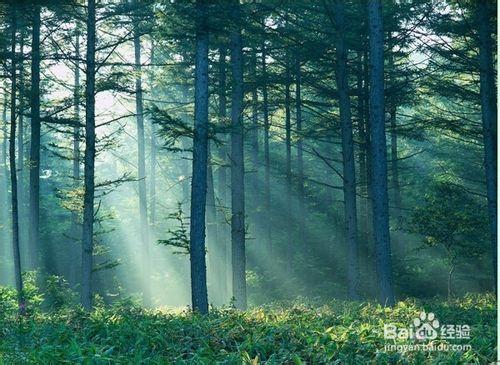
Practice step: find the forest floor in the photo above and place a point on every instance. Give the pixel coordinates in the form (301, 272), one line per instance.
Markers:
(335, 333)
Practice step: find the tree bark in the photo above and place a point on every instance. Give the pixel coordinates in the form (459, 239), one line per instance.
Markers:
(237, 163)
(288, 166)
(200, 152)
(223, 233)
(13, 171)
(489, 120)
(89, 168)
(300, 157)
(267, 159)
(34, 228)
(349, 174)
(141, 168)
(396, 191)
(76, 134)
(379, 155)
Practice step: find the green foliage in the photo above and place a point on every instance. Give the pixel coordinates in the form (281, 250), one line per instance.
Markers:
(178, 237)
(453, 219)
(336, 333)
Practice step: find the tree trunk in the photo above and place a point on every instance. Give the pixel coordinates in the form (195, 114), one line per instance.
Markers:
(288, 167)
(75, 228)
(89, 183)
(200, 152)
(379, 155)
(361, 131)
(300, 158)
(267, 159)
(349, 174)
(254, 140)
(223, 234)
(396, 191)
(489, 119)
(21, 189)
(152, 180)
(214, 255)
(13, 171)
(237, 163)
(141, 169)
(34, 228)
(76, 136)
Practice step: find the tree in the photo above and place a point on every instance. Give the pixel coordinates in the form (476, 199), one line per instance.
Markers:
(379, 154)
(89, 173)
(489, 118)
(349, 174)
(34, 165)
(141, 164)
(237, 162)
(12, 166)
(200, 160)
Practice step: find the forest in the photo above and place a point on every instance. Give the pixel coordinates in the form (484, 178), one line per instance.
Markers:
(248, 182)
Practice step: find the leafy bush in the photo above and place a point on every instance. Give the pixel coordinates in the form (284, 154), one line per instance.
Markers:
(297, 333)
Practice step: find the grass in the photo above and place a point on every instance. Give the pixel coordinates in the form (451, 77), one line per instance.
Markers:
(336, 333)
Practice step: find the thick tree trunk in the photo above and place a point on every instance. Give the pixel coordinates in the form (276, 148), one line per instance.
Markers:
(141, 170)
(237, 163)
(267, 159)
(200, 160)
(34, 228)
(379, 155)
(349, 174)
(89, 183)
(223, 228)
(361, 132)
(489, 118)
(300, 158)
(13, 171)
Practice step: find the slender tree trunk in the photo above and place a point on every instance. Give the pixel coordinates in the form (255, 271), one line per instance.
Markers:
(254, 137)
(200, 152)
(237, 163)
(300, 157)
(288, 165)
(379, 154)
(76, 134)
(349, 174)
(13, 171)
(267, 159)
(212, 236)
(396, 191)
(141, 172)
(489, 119)
(89, 183)
(4, 195)
(20, 153)
(34, 228)
(223, 233)
(152, 181)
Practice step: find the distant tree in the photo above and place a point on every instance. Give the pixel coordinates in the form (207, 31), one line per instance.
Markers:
(452, 219)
